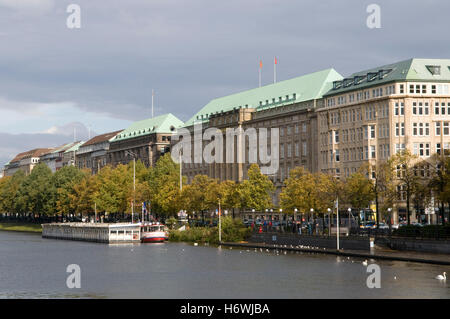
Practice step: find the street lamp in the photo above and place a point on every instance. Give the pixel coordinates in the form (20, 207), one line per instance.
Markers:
(329, 221)
(134, 182)
(349, 220)
(312, 212)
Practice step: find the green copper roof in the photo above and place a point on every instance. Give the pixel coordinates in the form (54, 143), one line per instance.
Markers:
(75, 147)
(64, 147)
(303, 88)
(167, 123)
(408, 70)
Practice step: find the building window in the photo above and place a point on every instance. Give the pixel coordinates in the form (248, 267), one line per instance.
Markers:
(399, 147)
(373, 153)
(402, 89)
(337, 155)
(400, 129)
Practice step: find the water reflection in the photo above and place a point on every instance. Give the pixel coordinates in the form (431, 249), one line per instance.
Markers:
(32, 267)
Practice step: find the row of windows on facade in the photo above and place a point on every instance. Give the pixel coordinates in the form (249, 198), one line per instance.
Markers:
(354, 115)
(368, 132)
(369, 152)
(296, 129)
(423, 129)
(389, 90)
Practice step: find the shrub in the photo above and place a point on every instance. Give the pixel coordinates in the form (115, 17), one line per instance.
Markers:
(233, 230)
(428, 231)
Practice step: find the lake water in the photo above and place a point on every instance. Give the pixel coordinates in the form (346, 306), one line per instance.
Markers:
(33, 267)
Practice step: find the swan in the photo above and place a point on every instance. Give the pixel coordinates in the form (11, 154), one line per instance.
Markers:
(441, 277)
(365, 263)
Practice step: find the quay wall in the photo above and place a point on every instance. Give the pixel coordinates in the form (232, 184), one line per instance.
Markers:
(350, 243)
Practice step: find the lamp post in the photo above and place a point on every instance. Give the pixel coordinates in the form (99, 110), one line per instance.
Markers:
(349, 220)
(134, 182)
(329, 221)
(337, 223)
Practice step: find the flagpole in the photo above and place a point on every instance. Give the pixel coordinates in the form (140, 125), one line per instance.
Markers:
(153, 94)
(275, 70)
(260, 67)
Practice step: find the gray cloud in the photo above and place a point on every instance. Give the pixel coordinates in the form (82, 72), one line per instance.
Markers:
(193, 51)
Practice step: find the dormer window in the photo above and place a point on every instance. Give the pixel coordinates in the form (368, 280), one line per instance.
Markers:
(358, 79)
(434, 69)
(371, 76)
(337, 85)
(348, 82)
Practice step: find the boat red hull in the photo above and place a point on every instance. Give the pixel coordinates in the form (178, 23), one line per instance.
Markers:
(153, 240)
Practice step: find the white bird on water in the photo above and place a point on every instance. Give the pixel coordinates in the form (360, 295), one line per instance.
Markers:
(442, 277)
(365, 263)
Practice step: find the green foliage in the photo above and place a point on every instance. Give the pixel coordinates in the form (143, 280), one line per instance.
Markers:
(359, 190)
(9, 187)
(233, 230)
(164, 187)
(36, 192)
(427, 231)
(304, 191)
(255, 192)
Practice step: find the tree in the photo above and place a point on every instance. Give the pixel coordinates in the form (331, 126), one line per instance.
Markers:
(8, 191)
(63, 181)
(305, 190)
(36, 192)
(82, 196)
(403, 163)
(255, 192)
(201, 195)
(230, 195)
(359, 190)
(164, 186)
(113, 189)
(439, 182)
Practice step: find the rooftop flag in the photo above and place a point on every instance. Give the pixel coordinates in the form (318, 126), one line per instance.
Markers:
(260, 68)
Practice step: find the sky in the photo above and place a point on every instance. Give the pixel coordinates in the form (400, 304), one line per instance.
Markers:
(99, 78)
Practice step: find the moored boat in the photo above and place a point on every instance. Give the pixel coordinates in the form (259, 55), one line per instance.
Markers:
(153, 233)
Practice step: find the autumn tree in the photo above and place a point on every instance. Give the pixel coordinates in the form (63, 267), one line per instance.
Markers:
(36, 192)
(9, 191)
(164, 186)
(256, 191)
(201, 195)
(403, 163)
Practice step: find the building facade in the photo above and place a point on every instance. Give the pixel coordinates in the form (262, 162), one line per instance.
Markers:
(92, 155)
(288, 106)
(54, 158)
(25, 161)
(373, 114)
(145, 140)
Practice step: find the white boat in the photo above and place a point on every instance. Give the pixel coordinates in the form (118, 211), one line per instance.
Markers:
(153, 233)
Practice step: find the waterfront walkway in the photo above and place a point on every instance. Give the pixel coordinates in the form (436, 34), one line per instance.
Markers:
(375, 253)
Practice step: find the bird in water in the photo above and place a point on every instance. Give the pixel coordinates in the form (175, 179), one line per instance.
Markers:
(441, 277)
